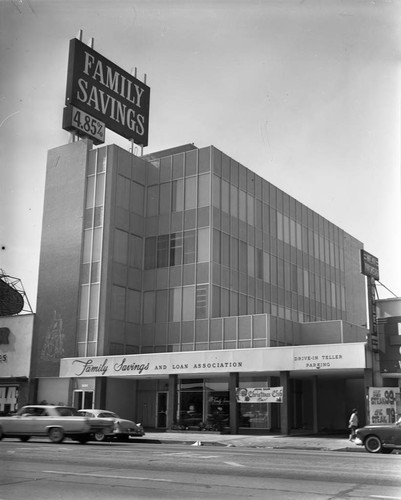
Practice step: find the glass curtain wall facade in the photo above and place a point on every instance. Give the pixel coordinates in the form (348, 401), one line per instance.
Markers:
(231, 247)
(205, 254)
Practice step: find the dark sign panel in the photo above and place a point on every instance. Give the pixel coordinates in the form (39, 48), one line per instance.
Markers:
(106, 92)
(83, 124)
(369, 265)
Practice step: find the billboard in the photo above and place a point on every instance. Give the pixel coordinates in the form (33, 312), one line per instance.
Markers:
(369, 265)
(102, 90)
(382, 404)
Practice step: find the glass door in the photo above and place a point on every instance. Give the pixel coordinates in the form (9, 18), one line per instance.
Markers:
(83, 400)
(161, 410)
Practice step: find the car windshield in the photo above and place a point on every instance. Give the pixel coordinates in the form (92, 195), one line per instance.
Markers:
(108, 414)
(37, 411)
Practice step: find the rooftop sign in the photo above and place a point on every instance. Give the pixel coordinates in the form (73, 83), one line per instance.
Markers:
(102, 90)
(369, 265)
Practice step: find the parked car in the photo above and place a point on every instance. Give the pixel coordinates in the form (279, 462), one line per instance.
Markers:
(380, 438)
(56, 422)
(122, 428)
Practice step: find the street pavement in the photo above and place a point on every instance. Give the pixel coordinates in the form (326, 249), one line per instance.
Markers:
(273, 441)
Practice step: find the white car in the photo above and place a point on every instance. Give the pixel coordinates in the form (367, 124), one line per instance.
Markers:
(56, 422)
(122, 429)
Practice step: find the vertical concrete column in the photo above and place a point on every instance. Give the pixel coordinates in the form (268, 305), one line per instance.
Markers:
(285, 405)
(315, 399)
(101, 393)
(234, 406)
(172, 401)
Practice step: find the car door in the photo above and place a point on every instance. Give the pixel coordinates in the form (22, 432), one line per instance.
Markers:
(28, 423)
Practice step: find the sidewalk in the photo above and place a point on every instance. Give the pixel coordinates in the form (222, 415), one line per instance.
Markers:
(275, 441)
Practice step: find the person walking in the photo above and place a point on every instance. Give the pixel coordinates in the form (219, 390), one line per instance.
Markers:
(353, 423)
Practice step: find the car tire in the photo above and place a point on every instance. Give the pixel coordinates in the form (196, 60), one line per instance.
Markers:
(1, 434)
(387, 451)
(373, 444)
(99, 437)
(24, 439)
(56, 435)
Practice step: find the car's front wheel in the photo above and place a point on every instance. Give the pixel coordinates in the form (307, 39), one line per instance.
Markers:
(373, 444)
(56, 435)
(99, 436)
(24, 439)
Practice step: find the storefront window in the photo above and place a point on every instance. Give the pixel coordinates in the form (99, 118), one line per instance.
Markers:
(256, 415)
(203, 404)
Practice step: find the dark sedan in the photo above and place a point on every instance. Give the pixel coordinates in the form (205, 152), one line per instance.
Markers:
(380, 438)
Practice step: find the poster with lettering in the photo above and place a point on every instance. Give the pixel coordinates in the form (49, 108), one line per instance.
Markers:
(382, 404)
(259, 394)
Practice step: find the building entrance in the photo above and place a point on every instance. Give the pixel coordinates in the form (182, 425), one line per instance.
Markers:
(161, 410)
(83, 400)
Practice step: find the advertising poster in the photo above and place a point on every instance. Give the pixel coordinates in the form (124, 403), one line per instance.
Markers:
(259, 395)
(382, 404)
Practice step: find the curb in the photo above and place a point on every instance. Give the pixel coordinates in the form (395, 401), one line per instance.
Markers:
(233, 445)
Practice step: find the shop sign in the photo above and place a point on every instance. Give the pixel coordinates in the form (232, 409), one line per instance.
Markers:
(259, 394)
(312, 358)
(382, 404)
(104, 91)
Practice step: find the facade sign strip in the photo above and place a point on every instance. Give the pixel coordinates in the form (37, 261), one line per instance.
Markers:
(294, 358)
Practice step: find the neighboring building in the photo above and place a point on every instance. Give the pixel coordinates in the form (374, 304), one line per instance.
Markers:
(389, 330)
(167, 282)
(15, 361)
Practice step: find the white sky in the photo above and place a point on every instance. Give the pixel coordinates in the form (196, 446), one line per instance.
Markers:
(305, 93)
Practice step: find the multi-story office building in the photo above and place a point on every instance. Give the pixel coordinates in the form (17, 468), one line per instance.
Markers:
(170, 282)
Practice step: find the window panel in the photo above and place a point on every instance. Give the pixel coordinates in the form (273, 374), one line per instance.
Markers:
(176, 249)
(133, 306)
(150, 252)
(84, 302)
(149, 307)
(242, 206)
(225, 196)
(251, 260)
(216, 191)
(266, 267)
(165, 198)
(189, 247)
(122, 192)
(161, 306)
(234, 201)
(202, 301)
(152, 205)
(94, 301)
(135, 252)
(190, 193)
(137, 197)
(163, 242)
(90, 191)
(251, 210)
(120, 245)
(188, 303)
(117, 302)
(203, 254)
(178, 196)
(204, 190)
(175, 295)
